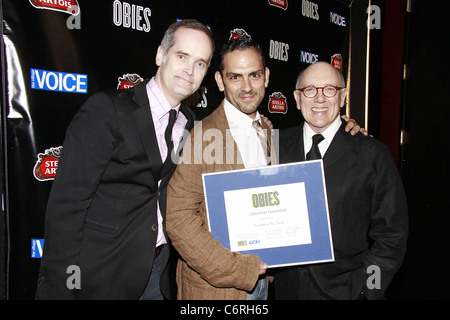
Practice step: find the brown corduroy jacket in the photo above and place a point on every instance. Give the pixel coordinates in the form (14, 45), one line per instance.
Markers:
(206, 270)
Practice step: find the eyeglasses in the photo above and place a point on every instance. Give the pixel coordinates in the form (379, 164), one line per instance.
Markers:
(328, 91)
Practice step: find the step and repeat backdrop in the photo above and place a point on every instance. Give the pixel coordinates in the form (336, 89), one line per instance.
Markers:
(58, 52)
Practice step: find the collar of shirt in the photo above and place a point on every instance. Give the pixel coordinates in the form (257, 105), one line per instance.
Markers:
(238, 119)
(245, 136)
(160, 108)
(158, 102)
(328, 135)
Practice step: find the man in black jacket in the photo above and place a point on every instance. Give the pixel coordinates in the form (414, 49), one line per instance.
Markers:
(366, 200)
(106, 211)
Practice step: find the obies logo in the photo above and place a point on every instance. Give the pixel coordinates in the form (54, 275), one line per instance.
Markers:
(283, 4)
(239, 33)
(47, 163)
(278, 50)
(129, 80)
(197, 99)
(277, 103)
(336, 61)
(67, 6)
(265, 199)
(131, 16)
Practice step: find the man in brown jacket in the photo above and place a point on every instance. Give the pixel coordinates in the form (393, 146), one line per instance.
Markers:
(206, 269)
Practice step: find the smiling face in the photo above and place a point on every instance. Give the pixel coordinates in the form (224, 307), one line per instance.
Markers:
(183, 67)
(243, 80)
(320, 111)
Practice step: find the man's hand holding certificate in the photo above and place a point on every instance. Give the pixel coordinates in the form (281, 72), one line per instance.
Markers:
(279, 213)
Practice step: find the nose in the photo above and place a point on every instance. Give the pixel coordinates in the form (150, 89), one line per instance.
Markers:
(189, 69)
(246, 84)
(319, 96)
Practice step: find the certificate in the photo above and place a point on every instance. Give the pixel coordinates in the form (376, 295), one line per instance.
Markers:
(259, 219)
(279, 213)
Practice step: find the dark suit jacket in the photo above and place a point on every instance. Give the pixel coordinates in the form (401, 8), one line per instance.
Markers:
(368, 217)
(101, 213)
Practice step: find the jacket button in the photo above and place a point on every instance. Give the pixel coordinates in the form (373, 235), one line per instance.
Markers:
(41, 281)
(154, 227)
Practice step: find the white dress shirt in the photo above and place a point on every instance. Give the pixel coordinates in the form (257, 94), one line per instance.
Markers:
(328, 135)
(244, 134)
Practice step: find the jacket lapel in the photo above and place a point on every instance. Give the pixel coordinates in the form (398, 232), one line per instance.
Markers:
(144, 124)
(232, 156)
(338, 147)
(189, 125)
(291, 144)
(273, 144)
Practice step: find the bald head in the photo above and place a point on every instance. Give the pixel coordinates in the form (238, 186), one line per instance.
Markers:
(325, 95)
(322, 70)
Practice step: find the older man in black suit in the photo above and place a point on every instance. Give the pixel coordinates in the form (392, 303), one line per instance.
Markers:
(367, 206)
(106, 210)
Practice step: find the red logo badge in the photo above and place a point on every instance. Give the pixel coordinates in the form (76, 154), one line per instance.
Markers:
(277, 103)
(129, 80)
(67, 6)
(239, 33)
(283, 4)
(47, 163)
(336, 61)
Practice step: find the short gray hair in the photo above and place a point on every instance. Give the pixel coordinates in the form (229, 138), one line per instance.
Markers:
(168, 40)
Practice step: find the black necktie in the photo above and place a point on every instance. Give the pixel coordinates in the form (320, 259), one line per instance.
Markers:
(168, 133)
(314, 153)
(167, 165)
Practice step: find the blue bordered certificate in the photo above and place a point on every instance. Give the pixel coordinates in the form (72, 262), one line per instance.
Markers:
(279, 213)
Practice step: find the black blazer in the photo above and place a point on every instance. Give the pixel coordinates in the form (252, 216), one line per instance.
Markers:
(368, 217)
(101, 213)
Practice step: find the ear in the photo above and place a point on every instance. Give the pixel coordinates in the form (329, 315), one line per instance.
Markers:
(267, 73)
(219, 81)
(343, 96)
(159, 56)
(297, 98)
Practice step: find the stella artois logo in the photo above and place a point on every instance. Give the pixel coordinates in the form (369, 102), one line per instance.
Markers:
(336, 61)
(277, 103)
(239, 33)
(129, 80)
(67, 6)
(283, 4)
(47, 163)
